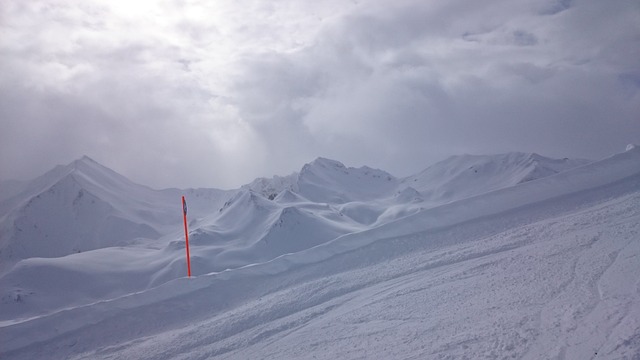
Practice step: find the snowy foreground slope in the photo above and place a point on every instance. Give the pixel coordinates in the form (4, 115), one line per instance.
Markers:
(541, 267)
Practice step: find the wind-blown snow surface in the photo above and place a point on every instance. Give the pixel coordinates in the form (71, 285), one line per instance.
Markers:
(544, 268)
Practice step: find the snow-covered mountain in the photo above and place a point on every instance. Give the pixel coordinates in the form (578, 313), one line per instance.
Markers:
(458, 177)
(463, 176)
(85, 206)
(512, 255)
(271, 187)
(329, 181)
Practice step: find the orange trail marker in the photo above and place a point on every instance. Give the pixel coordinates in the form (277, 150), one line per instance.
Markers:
(186, 234)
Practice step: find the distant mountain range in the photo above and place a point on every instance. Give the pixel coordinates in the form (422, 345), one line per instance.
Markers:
(84, 207)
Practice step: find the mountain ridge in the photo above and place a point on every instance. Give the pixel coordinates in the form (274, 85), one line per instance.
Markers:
(467, 175)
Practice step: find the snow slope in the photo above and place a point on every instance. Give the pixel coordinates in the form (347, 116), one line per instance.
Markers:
(250, 228)
(85, 206)
(82, 233)
(463, 176)
(545, 268)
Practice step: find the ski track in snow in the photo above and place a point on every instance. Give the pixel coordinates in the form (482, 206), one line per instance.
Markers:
(553, 280)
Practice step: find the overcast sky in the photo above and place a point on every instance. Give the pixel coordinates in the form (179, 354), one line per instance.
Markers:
(189, 93)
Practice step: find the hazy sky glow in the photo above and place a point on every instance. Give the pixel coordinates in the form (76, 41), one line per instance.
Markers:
(190, 93)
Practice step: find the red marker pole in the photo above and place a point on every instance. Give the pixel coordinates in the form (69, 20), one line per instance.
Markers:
(186, 234)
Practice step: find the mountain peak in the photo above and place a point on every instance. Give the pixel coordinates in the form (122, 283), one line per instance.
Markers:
(86, 159)
(271, 187)
(326, 163)
(330, 181)
(86, 163)
(92, 173)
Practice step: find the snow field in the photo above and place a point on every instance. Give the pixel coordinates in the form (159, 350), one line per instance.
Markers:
(556, 286)
(543, 269)
(550, 289)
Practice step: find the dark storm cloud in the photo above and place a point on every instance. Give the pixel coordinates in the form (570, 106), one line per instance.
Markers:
(189, 93)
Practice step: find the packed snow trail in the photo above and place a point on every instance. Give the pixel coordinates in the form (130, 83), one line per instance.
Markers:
(549, 278)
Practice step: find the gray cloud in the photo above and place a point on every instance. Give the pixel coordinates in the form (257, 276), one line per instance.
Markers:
(189, 93)
(554, 7)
